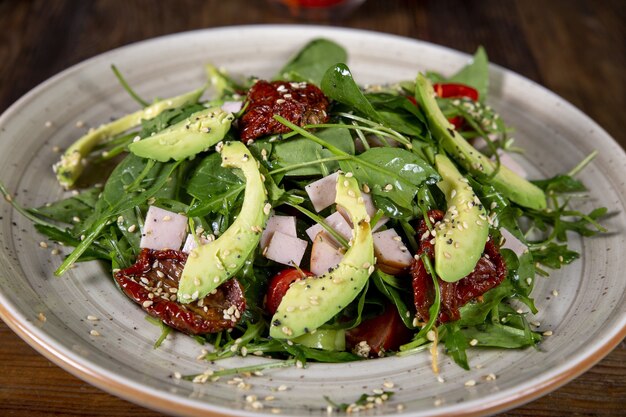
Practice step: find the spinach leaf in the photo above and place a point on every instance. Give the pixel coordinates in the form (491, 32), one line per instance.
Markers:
(210, 179)
(475, 74)
(339, 85)
(312, 61)
(391, 173)
(299, 150)
(399, 113)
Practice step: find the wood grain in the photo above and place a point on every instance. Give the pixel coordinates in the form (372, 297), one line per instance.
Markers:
(575, 48)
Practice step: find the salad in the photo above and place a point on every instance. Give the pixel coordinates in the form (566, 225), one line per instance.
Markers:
(308, 218)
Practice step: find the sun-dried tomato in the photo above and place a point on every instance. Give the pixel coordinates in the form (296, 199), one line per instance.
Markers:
(300, 103)
(152, 282)
(489, 272)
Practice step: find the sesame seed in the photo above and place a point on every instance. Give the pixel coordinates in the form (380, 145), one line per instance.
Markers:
(42, 317)
(440, 379)
(94, 333)
(147, 303)
(431, 335)
(371, 269)
(80, 123)
(548, 333)
(470, 383)
(132, 228)
(473, 342)
(490, 377)
(438, 402)
(177, 375)
(43, 245)
(555, 293)
(388, 187)
(366, 189)
(92, 318)
(282, 388)
(54, 251)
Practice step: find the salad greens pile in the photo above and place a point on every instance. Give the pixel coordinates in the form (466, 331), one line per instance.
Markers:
(381, 134)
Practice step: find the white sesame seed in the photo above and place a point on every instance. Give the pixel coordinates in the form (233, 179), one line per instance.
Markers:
(438, 402)
(132, 228)
(282, 388)
(490, 377)
(548, 333)
(42, 317)
(470, 383)
(147, 303)
(473, 342)
(94, 333)
(80, 123)
(43, 244)
(555, 293)
(92, 318)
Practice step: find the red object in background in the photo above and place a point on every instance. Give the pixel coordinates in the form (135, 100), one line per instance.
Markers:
(148, 283)
(489, 272)
(454, 90)
(314, 3)
(382, 333)
(279, 284)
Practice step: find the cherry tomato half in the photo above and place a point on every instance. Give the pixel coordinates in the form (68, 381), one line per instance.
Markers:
(279, 284)
(382, 333)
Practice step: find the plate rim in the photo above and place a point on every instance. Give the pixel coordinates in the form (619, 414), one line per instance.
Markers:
(141, 395)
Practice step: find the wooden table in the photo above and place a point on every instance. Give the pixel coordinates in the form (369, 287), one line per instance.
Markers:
(574, 48)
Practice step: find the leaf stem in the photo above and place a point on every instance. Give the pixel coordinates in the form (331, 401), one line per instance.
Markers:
(127, 87)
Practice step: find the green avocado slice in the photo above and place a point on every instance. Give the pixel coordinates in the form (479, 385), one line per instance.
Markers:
(70, 167)
(313, 301)
(506, 181)
(210, 265)
(186, 138)
(461, 236)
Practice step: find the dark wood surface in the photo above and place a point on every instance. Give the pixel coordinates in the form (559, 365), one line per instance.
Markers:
(575, 48)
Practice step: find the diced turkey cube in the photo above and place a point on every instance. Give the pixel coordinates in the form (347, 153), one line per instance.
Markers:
(391, 252)
(283, 224)
(232, 106)
(285, 249)
(322, 192)
(324, 254)
(163, 229)
(191, 243)
(337, 222)
(513, 243)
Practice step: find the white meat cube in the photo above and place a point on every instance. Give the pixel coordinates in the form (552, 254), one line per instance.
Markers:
(191, 244)
(337, 222)
(391, 251)
(285, 249)
(283, 224)
(323, 191)
(163, 229)
(324, 254)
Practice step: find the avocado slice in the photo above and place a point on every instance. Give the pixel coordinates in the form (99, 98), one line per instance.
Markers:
(516, 188)
(461, 236)
(186, 138)
(70, 167)
(325, 339)
(210, 265)
(313, 301)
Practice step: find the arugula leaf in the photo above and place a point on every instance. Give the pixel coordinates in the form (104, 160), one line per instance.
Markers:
(67, 209)
(498, 335)
(474, 313)
(382, 282)
(560, 184)
(312, 61)
(475, 74)
(456, 344)
(554, 255)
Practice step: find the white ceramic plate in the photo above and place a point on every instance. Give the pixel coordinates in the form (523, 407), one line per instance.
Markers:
(588, 317)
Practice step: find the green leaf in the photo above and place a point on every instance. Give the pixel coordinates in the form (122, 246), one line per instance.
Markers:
(64, 211)
(475, 74)
(312, 61)
(299, 150)
(498, 335)
(560, 184)
(456, 344)
(382, 282)
(210, 179)
(391, 173)
(554, 255)
(474, 313)
(339, 85)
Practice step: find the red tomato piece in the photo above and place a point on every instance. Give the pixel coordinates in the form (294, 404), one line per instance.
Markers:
(152, 283)
(382, 333)
(279, 284)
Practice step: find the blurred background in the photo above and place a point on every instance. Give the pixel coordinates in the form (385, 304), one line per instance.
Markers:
(576, 48)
